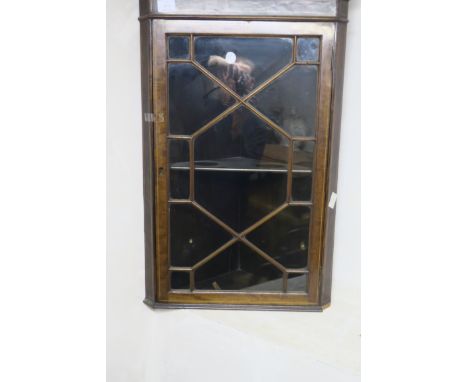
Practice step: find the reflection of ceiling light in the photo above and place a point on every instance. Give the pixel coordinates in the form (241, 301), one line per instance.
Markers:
(231, 57)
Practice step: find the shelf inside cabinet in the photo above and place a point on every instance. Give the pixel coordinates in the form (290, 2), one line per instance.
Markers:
(239, 164)
(231, 281)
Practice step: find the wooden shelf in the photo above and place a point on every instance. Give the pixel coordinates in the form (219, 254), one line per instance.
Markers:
(239, 164)
(228, 281)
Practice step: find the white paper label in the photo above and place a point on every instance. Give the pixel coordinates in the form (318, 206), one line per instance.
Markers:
(166, 6)
(332, 201)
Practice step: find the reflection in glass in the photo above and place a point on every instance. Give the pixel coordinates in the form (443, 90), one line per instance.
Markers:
(193, 99)
(297, 282)
(308, 49)
(285, 237)
(290, 101)
(240, 169)
(193, 235)
(303, 155)
(239, 268)
(180, 280)
(179, 47)
(179, 176)
(257, 59)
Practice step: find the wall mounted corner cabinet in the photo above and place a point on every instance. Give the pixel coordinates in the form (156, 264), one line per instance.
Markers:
(241, 120)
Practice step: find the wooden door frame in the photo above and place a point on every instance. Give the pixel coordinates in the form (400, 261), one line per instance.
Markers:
(222, 299)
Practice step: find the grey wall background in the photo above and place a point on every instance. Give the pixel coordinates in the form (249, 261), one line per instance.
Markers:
(171, 345)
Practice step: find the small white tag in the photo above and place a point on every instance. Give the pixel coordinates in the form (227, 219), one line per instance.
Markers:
(166, 6)
(332, 201)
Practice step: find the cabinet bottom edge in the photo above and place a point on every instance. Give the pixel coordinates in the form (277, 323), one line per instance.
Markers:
(299, 308)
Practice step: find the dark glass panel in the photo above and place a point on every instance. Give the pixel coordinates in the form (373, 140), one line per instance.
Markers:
(302, 170)
(297, 282)
(239, 268)
(240, 199)
(301, 187)
(179, 170)
(243, 63)
(194, 99)
(193, 235)
(241, 169)
(179, 184)
(308, 49)
(180, 280)
(290, 101)
(285, 237)
(179, 47)
(303, 155)
(178, 151)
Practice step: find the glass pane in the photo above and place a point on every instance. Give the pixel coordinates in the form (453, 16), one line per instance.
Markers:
(308, 49)
(180, 280)
(193, 99)
(301, 187)
(193, 236)
(179, 170)
(290, 101)
(285, 237)
(297, 282)
(179, 47)
(303, 156)
(302, 170)
(239, 268)
(243, 63)
(240, 169)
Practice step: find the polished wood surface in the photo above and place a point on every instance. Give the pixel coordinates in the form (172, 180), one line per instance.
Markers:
(148, 154)
(332, 181)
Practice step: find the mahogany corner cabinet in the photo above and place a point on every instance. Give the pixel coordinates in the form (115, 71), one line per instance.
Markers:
(241, 126)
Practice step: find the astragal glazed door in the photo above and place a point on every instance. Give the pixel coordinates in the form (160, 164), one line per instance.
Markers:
(242, 115)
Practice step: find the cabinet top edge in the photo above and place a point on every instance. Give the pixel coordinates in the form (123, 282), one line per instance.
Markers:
(284, 10)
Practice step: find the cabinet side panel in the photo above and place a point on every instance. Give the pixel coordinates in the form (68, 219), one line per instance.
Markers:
(148, 162)
(146, 7)
(334, 145)
(342, 8)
